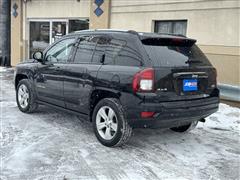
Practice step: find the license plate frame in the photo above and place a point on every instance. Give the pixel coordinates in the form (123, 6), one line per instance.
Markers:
(190, 85)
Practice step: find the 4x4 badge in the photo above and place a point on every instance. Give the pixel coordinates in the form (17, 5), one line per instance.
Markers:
(164, 89)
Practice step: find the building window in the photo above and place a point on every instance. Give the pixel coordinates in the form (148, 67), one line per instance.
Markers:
(171, 27)
(78, 25)
(47, 31)
(39, 36)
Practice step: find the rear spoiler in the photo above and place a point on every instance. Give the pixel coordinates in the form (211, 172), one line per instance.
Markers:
(168, 41)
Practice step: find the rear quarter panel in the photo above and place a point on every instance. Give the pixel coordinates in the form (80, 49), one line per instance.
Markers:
(118, 79)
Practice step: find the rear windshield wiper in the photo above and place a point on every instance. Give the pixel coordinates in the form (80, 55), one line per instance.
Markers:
(192, 61)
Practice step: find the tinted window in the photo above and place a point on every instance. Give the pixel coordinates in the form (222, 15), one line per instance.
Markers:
(172, 55)
(117, 52)
(113, 49)
(85, 50)
(128, 56)
(60, 52)
(100, 50)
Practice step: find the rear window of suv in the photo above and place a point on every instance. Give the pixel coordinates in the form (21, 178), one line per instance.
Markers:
(174, 52)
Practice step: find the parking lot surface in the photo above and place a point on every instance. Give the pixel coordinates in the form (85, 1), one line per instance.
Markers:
(51, 144)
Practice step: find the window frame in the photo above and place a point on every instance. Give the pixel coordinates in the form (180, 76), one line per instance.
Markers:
(174, 21)
(108, 37)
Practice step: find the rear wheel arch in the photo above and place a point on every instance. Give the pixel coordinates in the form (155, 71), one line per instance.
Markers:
(99, 94)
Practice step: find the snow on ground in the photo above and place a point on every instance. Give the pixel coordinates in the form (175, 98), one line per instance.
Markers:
(3, 69)
(50, 144)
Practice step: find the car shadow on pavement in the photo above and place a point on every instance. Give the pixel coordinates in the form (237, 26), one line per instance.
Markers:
(140, 137)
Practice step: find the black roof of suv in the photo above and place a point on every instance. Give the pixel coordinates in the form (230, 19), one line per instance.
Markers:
(142, 35)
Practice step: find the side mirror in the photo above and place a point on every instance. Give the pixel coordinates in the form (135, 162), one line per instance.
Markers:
(38, 56)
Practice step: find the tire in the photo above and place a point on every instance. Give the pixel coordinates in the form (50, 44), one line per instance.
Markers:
(25, 91)
(185, 128)
(109, 124)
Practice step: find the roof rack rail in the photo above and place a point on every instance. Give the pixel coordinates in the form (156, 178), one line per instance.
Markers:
(132, 32)
(85, 30)
(110, 30)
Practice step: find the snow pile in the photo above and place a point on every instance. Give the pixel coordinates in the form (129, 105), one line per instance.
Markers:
(227, 118)
(6, 69)
(50, 144)
(3, 69)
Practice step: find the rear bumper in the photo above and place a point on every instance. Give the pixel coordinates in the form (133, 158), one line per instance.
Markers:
(172, 114)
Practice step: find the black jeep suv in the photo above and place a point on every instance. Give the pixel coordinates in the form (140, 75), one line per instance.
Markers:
(121, 80)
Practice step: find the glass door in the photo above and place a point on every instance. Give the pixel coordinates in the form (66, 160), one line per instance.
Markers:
(58, 30)
(47, 31)
(39, 36)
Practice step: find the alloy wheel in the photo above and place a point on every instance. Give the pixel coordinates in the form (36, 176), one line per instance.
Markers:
(106, 122)
(23, 96)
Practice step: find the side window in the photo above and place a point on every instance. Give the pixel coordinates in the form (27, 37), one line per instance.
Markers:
(113, 49)
(85, 49)
(60, 52)
(128, 56)
(120, 53)
(100, 50)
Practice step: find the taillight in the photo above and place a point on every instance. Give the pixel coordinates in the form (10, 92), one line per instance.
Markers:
(143, 81)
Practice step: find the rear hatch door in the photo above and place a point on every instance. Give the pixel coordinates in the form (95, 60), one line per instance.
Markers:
(182, 71)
